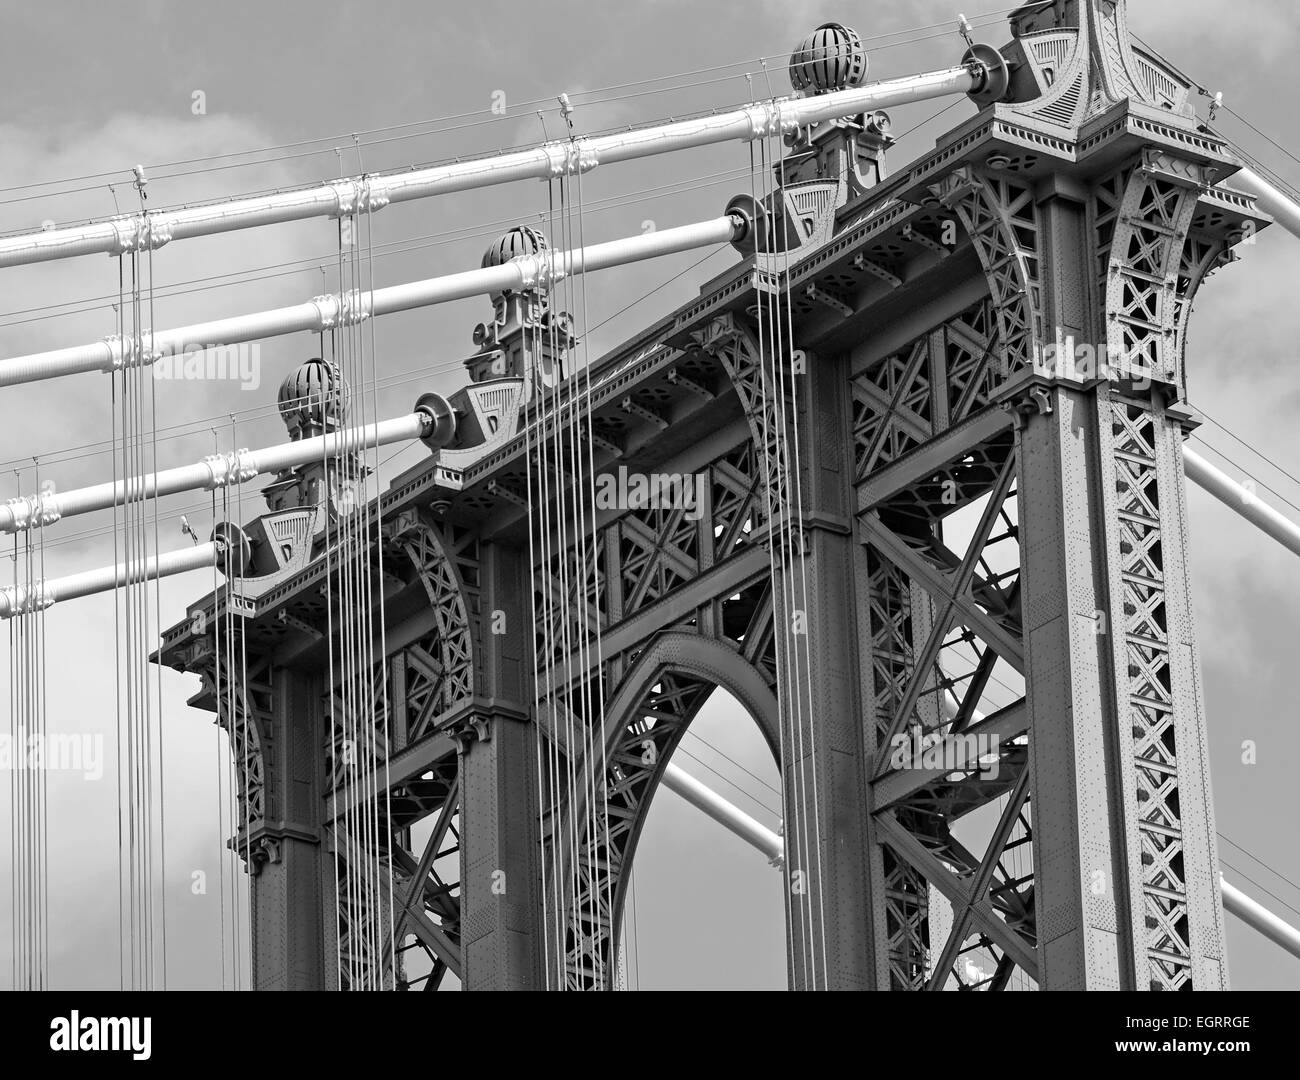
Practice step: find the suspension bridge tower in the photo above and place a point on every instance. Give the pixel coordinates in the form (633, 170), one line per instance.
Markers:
(939, 411)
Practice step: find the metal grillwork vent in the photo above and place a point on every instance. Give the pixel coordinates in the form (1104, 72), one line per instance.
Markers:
(292, 528)
(1161, 84)
(1062, 110)
(1053, 49)
(810, 203)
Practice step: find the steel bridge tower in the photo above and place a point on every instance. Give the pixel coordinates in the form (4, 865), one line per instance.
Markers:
(990, 421)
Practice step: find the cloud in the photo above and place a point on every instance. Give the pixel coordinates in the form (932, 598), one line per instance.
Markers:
(1256, 33)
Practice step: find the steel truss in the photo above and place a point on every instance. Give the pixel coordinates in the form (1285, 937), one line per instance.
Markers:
(996, 555)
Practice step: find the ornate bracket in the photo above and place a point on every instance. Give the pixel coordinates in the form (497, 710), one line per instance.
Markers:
(265, 852)
(732, 344)
(1142, 219)
(244, 709)
(469, 730)
(1001, 216)
(443, 583)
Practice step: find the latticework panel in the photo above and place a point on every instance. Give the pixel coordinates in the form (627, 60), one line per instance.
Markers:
(447, 567)
(365, 955)
(587, 918)
(943, 566)
(570, 600)
(1148, 698)
(1141, 217)
(244, 703)
(1000, 214)
(358, 712)
(892, 407)
(971, 344)
(761, 377)
(943, 376)
(907, 931)
(659, 551)
(736, 499)
(890, 622)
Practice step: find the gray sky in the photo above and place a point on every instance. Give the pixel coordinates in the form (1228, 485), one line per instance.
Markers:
(90, 87)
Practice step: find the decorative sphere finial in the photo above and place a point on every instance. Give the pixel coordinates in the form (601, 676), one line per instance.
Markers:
(832, 57)
(310, 400)
(521, 240)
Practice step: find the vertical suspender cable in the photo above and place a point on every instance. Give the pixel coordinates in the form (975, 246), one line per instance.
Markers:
(367, 670)
(338, 746)
(780, 538)
(237, 737)
(365, 628)
(530, 344)
(762, 456)
(578, 695)
(383, 622)
(162, 786)
(563, 622)
(250, 725)
(347, 703)
(582, 632)
(117, 647)
(15, 844)
(559, 752)
(600, 689)
(796, 498)
(556, 581)
(222, 852)
(358, 868)
(538, 404)
(42, 777)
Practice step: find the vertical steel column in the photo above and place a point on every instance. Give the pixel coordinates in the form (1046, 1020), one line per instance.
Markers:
(288, 884)
(828, 783)
(501, 936)
(1125, 865)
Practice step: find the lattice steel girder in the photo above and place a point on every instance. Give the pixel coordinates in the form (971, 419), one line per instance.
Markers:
(410, 763)
(922, 594)
(933, 457)
(978, 886)
(1126, 865)
(1127, 870)
(645, 718)
(411, 896)
(931, 350)
(719, 581)
(954, 601)
(900, 785)
(1108, 262)
(945, 586)
(958, 892)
